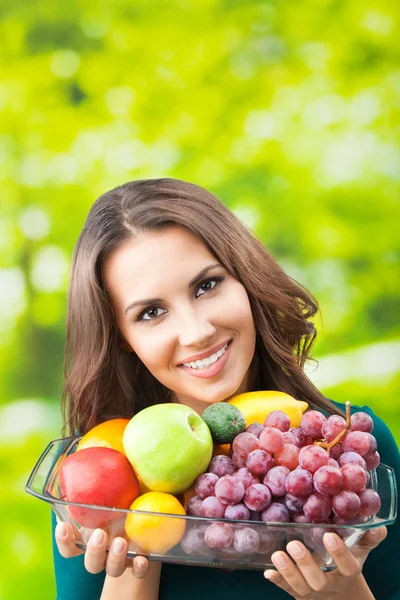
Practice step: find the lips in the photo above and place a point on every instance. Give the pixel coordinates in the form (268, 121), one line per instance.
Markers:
(204, 354)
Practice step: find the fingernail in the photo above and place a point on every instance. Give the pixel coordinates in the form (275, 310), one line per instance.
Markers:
(269, 575)
(61, 531)
(280, 561)
(296, 550)
(374, 532)
(331, 541)
(118, 546)
(141, 563)
(97, 537)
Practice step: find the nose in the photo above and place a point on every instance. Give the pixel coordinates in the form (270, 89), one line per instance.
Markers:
(195, 330)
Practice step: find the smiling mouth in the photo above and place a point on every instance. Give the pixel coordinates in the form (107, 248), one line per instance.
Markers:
(207, 362)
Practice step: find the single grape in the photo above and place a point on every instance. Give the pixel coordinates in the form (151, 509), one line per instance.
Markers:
(212, 507)
(229, 490)
(352, 457)
(245, 477)
(278, 419)
(257, 497)
(354, 477)
(244, 443)
(361, 421)
(372, 445)
(219, 535)
(300, 435)
(246, 540)
(291, 438)
(370, 503)
(205, 485)
(275, 480)
(333, 463)
(328, 480)
(294, 503)
(193, 542)
(221, 465)
(194, 506)
(346, 504)
(301, 518)
(336, 451)
(311, 423)
(276, 513)
(267, 541)
(255, 429)
(317, 507)
(287, 456)
(239, 462)
(239, 512)
(357, 441)
(307, 441)
(259, 463)
(271, 439)
(372, 461)
(299, 483)
(312, 458)
(331, 428)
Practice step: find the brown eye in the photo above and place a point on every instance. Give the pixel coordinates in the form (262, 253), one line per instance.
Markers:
(152, 312)
(210, 283)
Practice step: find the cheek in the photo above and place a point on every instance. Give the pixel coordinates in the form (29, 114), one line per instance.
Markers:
(151, 350)
(239, 314)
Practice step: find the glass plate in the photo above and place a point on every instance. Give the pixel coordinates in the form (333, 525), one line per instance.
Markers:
(44, 483)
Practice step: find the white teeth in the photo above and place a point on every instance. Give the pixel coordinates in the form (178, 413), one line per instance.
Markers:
(201, 364)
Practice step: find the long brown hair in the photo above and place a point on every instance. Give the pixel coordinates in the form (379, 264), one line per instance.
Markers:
(102, 379)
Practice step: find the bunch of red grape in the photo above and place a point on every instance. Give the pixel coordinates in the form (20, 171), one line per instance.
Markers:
(277, 474)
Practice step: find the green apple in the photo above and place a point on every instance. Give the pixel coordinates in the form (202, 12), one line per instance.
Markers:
(169, 446)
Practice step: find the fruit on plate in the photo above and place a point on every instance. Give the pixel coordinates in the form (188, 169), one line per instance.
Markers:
(292, 479)
(169, 446)
(219, 449)
(99, 476)
(108, 434)
(155, 533)
(256, 406)
(224, 420)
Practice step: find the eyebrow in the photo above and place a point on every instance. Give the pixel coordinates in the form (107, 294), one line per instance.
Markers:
(192, 283)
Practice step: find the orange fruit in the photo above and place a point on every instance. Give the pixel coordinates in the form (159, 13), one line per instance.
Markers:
(108, 434)
(156, 534)
(221, 449)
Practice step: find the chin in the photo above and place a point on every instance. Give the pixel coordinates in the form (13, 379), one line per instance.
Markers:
(214, 396)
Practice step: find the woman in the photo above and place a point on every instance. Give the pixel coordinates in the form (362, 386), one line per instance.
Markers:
(164, 272)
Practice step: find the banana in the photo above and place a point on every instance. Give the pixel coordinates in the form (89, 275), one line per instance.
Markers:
(256, 406)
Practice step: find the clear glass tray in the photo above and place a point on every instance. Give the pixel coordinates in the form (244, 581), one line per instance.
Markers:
(44, 484)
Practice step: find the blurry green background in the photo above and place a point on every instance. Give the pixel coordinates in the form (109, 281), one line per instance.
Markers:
(285, 110)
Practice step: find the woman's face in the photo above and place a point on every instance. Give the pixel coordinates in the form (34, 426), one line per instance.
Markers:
(175, 305)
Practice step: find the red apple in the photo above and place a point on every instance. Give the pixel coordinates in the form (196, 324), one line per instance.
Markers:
(99, 476)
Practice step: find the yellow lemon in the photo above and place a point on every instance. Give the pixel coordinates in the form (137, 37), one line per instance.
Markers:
(256, 406)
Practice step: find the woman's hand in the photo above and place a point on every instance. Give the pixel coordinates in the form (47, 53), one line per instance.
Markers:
(96, 558)
(303, 578)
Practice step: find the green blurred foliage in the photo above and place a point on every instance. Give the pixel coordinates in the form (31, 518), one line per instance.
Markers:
(286, 110)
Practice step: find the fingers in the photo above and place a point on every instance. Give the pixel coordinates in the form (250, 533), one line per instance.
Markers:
(373, 537)
(140, 567)
(95, 555)
(370, 540)
(116, 559)
(288, 575)
(65, 541)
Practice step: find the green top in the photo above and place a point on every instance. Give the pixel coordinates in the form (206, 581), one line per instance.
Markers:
(180, 582)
